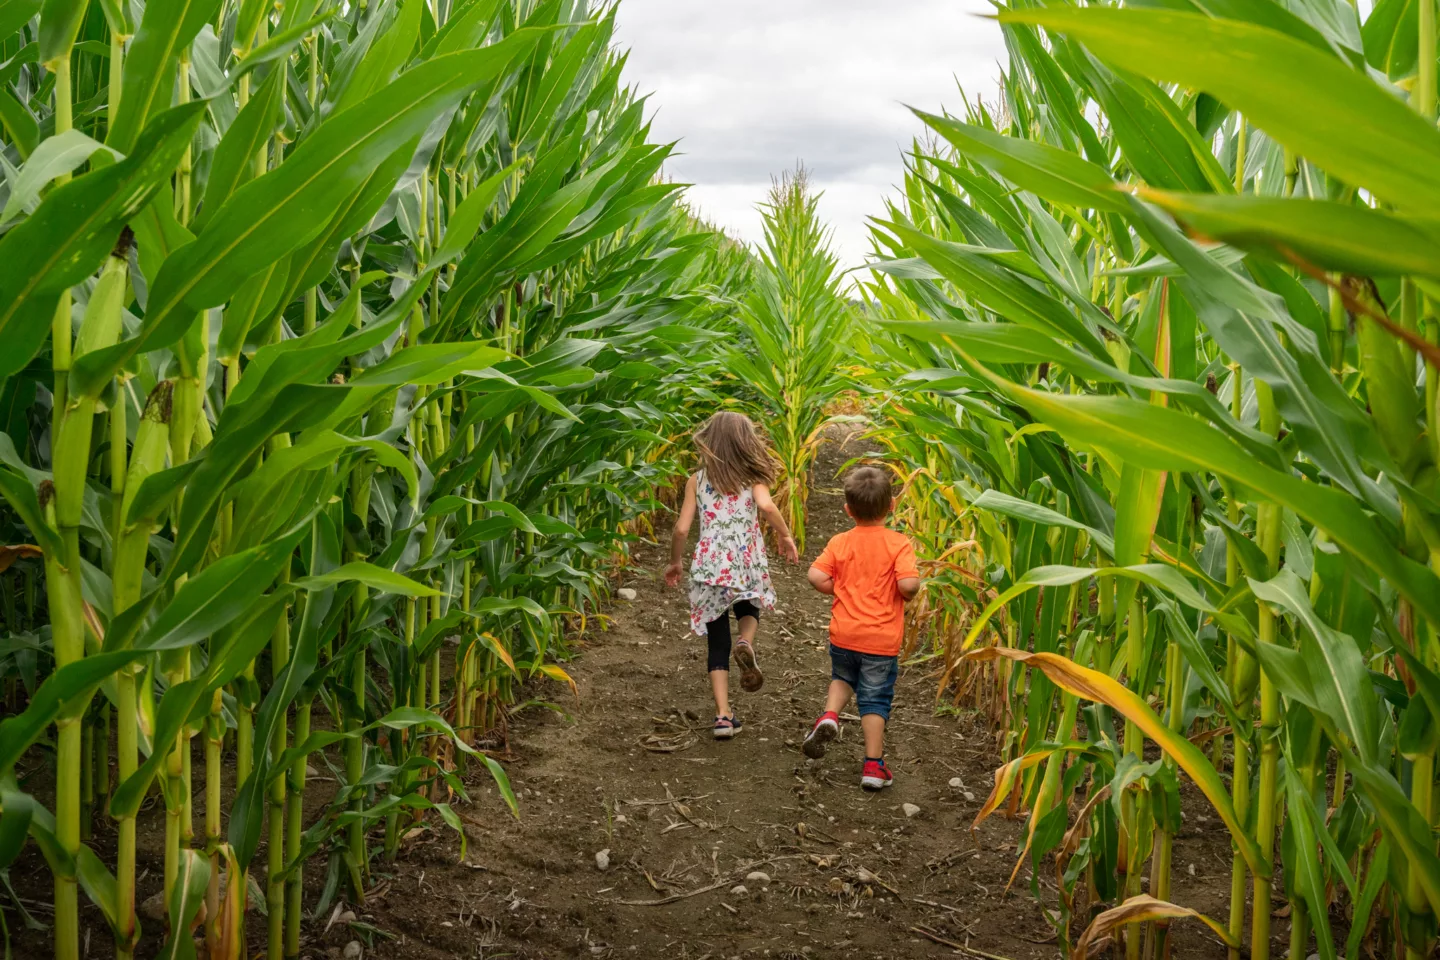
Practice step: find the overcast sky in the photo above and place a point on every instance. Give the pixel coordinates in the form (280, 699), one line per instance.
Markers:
(749, 87)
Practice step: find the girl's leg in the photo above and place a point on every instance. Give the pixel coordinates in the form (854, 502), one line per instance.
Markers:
(717, 634)
(720, 687)
(748, 616)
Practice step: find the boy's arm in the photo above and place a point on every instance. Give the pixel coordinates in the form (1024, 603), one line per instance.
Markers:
(907, 572)
(822, 572)
(822, 581)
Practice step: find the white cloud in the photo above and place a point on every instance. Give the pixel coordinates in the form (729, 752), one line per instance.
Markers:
(749, 87)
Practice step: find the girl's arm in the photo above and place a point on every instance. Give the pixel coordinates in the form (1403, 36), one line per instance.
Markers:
(681, 534)
(772, 515)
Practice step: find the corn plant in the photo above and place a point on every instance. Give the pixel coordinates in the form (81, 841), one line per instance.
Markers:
(799, 327)
(1163, 348)
(318, 381)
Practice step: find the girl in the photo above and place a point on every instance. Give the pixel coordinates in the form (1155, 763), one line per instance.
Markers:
(731, 490)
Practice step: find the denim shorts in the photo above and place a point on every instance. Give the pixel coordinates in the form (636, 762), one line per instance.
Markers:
(872, 678)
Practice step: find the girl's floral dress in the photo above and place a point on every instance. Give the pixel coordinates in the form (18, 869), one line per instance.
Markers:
(730, 562)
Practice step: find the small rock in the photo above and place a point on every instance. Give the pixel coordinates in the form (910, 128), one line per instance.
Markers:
(602, 859)
(153, 908)
(739, 890)
(352, 950)
(627, 594)
(620, 818)
(757, 876)
(956, 782)
(310, 772)
(969, 796)
(910, 809)
(347, 917)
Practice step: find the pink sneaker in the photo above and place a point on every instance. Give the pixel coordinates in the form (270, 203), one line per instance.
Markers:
(751, 679)
(827, 728)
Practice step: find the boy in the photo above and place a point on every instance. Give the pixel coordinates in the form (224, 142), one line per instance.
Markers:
(870, 571)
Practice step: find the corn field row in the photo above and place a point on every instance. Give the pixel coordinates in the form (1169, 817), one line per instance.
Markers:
(1155, 350)
(342, 346)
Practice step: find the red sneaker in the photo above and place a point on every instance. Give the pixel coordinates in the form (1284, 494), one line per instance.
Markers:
(875, 775)
(827, 728)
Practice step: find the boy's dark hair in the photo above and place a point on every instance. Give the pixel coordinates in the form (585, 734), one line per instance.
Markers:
(867, 493)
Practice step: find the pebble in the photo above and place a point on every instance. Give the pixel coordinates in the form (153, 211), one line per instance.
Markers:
(627, 593)
(739, 890)
(757, 876)
(153, 907)
(347, 917)
(620, 818)
(957, 783)
(310, 772)
(969, 796)
(910, 809)
(602, 859)
(352, 950)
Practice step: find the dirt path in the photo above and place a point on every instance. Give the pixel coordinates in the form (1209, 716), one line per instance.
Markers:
(849, 874)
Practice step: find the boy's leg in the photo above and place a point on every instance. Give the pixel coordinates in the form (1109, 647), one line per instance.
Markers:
(874, 726)
(873, 697)
(844, 674)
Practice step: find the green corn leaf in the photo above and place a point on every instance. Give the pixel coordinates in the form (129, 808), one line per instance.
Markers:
(19, 123)
(1391, 35)
(376, 578)
(1337, 672)
(258, 225)
(1165, 439)
(53, 157)
(186, 897)
(1309, 874)
(59, 23)
(215, 596)
(167, 28)
(303, 405)
(1404, 826)
(19, 809)
(233, 163)
(14, 14)
(74, 228)
(1337, 236)
(1001, 291)
(1387, 148)
(1045, 170)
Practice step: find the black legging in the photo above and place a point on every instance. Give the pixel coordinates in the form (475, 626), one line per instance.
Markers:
(717, 632)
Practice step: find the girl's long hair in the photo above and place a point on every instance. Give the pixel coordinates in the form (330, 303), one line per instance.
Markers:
(733, 454)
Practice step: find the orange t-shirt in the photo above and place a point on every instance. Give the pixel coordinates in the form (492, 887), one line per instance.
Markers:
(868, 612)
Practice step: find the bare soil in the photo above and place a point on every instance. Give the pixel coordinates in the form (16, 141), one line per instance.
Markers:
(689, 825)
